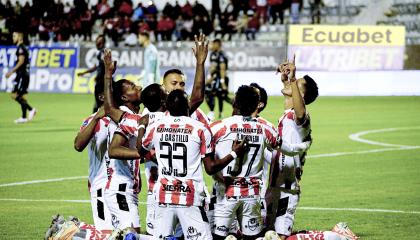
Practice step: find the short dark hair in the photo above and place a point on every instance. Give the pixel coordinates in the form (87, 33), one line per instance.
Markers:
(217, 40)
(153, 97)
(117, 91)
(101, 36)
(263, 95)
(177, 103)
(145, 34)
(99, 89)
(173, 70)
(311, 90)
(246, 100)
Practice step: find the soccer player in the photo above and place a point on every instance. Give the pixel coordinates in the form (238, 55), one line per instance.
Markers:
(294, 127)
(21, 82)
(94, 133)
(217, 85)
(98, 67)
(151, 73)
(181, 145)
(242, 177)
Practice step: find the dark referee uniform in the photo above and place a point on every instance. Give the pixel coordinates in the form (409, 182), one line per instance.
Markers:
(215, 87)
(21, 82)
(99, 79)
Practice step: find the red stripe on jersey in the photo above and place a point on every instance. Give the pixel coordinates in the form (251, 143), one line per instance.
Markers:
(290, 115)
(215, 123)
(244, 188)
(246, 125)
(272, 140)
(162, 192)
(256, 185)
(149, 137)
(202, 142)
(201, 118)
(174, 125)
(128, 130)
(85, 123)
(131, 116)
(219, 134)
(110, 171)
(280, 128)
(190, 195)
(262, 121)
(106, 121)
(176, 194)
(137, 180)
(229, 187)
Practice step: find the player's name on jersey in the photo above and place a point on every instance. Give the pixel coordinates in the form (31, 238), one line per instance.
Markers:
(173, 138)
(249, 138)
(177, 188)
(174, 130)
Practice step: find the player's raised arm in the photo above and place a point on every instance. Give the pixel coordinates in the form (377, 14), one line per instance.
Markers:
(200, 52)
(143, 123)
(213, 165)
(110, 107)
(298, 102)
(86, 133)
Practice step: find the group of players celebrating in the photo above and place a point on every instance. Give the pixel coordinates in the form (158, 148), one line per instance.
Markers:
(256, 167)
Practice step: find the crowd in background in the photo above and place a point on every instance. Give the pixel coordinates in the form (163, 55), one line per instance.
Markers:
(48, 20)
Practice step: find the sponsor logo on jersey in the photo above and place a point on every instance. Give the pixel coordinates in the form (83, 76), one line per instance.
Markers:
(253, 223)
(192, 233)
(174, 130)
(222, 228)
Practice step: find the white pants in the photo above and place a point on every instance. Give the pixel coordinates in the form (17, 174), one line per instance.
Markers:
(123, 206)
(247, 211)
(150, 214)
(285, 214)
(193, 221)
(101, 214)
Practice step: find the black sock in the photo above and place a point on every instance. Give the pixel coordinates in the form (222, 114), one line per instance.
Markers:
(23, 106)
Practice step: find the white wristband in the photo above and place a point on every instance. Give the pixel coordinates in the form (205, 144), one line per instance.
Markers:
(234, 155)
(142, 126)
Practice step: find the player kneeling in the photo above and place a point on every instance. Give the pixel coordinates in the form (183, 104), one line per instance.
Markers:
(181, 144)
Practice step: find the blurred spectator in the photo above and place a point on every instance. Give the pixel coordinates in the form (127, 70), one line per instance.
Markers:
(186, 27)
(176, 11)
(103, 9)
(151, 9)
(215, 9)
(138, 12)
(111, 29)
(187, 9)
(295, 8)
(86, 21)
(168, 9)
(126, 8)
(165, 27)
(199, 10)
(262, 9)
(276, 10)
(242, 22)
(315, 8)
(253, 25)
(142, 26)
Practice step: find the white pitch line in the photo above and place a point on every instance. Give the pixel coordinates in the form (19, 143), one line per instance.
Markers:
(303, 208)
(357, 136)
(361, 152)
(42, 181)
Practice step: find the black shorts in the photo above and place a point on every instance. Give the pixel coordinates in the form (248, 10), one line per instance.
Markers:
(21, 83)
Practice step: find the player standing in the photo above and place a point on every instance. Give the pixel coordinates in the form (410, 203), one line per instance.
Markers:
(151, 73)
(21, 82)
(294, 127)
(98, 67)
(217, 85)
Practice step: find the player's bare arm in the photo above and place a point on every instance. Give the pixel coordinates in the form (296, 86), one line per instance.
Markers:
(85, 135)
(21, 61)
(110, 107)
(213, 166)
(298, 103)
(90, 70)
(200, 52)
(143, 123)
(223, 75)
(119, 149)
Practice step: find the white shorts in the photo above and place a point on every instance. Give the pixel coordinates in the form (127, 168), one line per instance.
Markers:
(150, 213)
(101, 214)
(247, 211)
(123, 206)
(193, 221)
(285, 214)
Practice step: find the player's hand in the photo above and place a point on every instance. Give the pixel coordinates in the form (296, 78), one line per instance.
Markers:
(201, 48)
(100, 113)
(144, 120)
(240, 147)
(8, 74)
(80, 74)
(110, 66)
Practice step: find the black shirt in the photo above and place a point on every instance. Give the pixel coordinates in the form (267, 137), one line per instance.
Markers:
(217, 59)
(100, 70)
(22, 51)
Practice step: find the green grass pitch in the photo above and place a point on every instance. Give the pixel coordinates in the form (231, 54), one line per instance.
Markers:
(354, 186)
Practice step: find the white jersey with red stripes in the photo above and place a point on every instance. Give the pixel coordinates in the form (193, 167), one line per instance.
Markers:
(198, 115)
(97, 149)
(292, 133)
(180, 144)
(124, 171)
(243, 176)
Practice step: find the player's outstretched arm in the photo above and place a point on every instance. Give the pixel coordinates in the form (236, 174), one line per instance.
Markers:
(200, 52)
(290, 149)
(20, 62)
(111, 108)
(143, 123)
(90, 70)
(118, 149)
(212, 165)
(86, 133)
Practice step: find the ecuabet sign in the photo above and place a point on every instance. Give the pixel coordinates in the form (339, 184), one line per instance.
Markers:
(347, 48)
